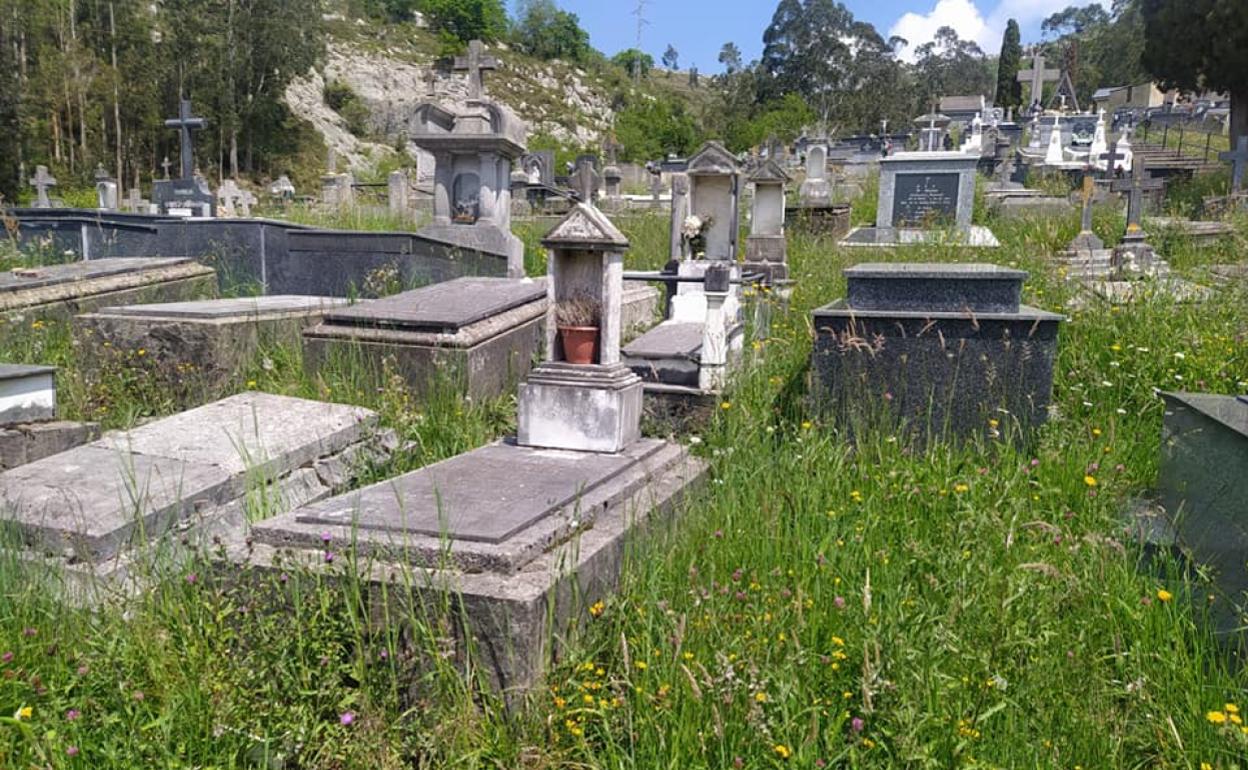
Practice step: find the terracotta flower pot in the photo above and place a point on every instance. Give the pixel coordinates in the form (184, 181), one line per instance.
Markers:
(580, 344)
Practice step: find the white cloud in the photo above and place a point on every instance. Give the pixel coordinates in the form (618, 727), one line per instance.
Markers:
(971, 24)
(918, 29)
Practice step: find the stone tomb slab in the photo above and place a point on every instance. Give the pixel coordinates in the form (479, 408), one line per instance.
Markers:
(198, 348)
(60, 291)
(481, 333)
(976, 236)
(93, 508)
(514, 598)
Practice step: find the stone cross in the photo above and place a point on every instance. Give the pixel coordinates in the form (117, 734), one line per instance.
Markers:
(41, 181)
(165, 164)
(1237, 158)
(611, 148)
(474, 64)
(134, 202)
(1135, 186)
(586, 182)
(1111, 158)
(1037, 76)
(185, 123)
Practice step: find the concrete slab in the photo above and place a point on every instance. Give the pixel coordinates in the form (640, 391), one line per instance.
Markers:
(76, 287)
(478, 335)
(444, 307)
(27, 393)
(195, 350)
(866, 237)
(101, 502)
(515, 602)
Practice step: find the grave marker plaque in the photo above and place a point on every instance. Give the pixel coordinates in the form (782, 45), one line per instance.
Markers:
(925, 198)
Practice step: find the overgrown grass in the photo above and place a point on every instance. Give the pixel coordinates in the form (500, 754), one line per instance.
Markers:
(821, 604)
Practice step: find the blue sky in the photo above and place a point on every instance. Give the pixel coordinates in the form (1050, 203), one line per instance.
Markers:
(698, 28)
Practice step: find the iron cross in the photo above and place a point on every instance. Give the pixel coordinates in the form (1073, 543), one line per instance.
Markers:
(1135, 186)
(185, 122)
(1237, 158)
(1111, 158)
(474, 64)
(41, 181)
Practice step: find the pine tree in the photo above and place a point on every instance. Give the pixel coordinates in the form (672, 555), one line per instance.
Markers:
(1009, 90)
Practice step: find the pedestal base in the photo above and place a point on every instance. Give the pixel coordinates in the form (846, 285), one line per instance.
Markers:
(583, 408)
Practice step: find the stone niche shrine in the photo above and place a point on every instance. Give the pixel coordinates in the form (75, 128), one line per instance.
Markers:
(934, 351)
(815, 189)
(523, 534)
(766, 249)
(473, 147)
(925, 197)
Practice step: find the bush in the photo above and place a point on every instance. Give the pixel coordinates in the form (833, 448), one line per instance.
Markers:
(467, 19)
(343, 100)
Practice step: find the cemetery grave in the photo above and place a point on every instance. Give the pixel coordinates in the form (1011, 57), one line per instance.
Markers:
(986, 508)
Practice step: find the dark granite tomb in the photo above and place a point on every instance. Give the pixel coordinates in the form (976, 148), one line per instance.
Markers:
(934, 350)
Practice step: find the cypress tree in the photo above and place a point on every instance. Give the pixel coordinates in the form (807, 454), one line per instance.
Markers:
(1009, 90)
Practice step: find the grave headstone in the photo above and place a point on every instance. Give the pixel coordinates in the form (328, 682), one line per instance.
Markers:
(473, 151)
(815, 189)
(1086, 240)
(765, 248)
(397, 187)
(105, 189)
(714, 196)
(948, 351)
(234, 201)
(283, 189)
(42, 181)
(1134, 255)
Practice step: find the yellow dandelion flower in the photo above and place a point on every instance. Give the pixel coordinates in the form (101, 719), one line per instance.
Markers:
(807, 424)
(142, 351)
(726, 405)
(642, 665)
(782, 751)
(1163, 595)
(960, 488)
(760, 697)
(1096, 431)
(1216, 717)
(1089, 480)
(596, 610)
(838, 641)
(251, 383)
(25, 712)
(1231, 708)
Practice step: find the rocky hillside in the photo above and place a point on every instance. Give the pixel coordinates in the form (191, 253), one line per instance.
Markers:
(380, 69)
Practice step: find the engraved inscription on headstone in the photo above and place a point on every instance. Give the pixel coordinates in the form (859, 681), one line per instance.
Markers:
(924, 199)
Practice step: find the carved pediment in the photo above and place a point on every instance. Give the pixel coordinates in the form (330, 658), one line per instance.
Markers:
(585, 227)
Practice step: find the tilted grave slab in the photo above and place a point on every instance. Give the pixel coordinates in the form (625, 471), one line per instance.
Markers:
(196, 347)
(103, 514)
(1203, 489)
(59, 291)
(479, 334)
(934, 350)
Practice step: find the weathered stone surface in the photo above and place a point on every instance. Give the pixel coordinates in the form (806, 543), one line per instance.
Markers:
(583, 408)
(481, 354)
(669, 353)
(977, 236)
(1033, 206)
(832, 219)
(940, 287)
(27, 393)
(99, 504)
(196, 350)
(510, 598)
(25, 443)
(77, 287)
(1203, 486)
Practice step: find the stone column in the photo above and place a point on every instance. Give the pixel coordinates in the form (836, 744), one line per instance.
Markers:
(714, 361)
(680, 210)
(443, 178)
(398, 193)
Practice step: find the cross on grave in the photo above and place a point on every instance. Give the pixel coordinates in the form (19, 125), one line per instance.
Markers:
(1111, 158)
(611, 148)
(185, 122)
(165, 164)
(1237, 158)
(586, 183)
(1037, 76)
(41, 181)
(1135, 186)
(474, 64)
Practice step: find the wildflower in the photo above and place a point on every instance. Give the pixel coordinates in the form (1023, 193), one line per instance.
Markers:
(642, 665)
(1163, 595)
(1231, 708)
(839, 601)
(25, 712)
(806, 424)
(138, 695)
(346, 717)
(72, 714)
(326, 537)
(72, 751)
(597, 608)
(726, 405)
(1216, 717)
(857, 724)
(760, 697)
(1090, 480)
(142, 352)
(7, 657)
(960, 488)
(782, 751)
(856, 495)
(191, 578)
(28, 631)
(251, 383)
